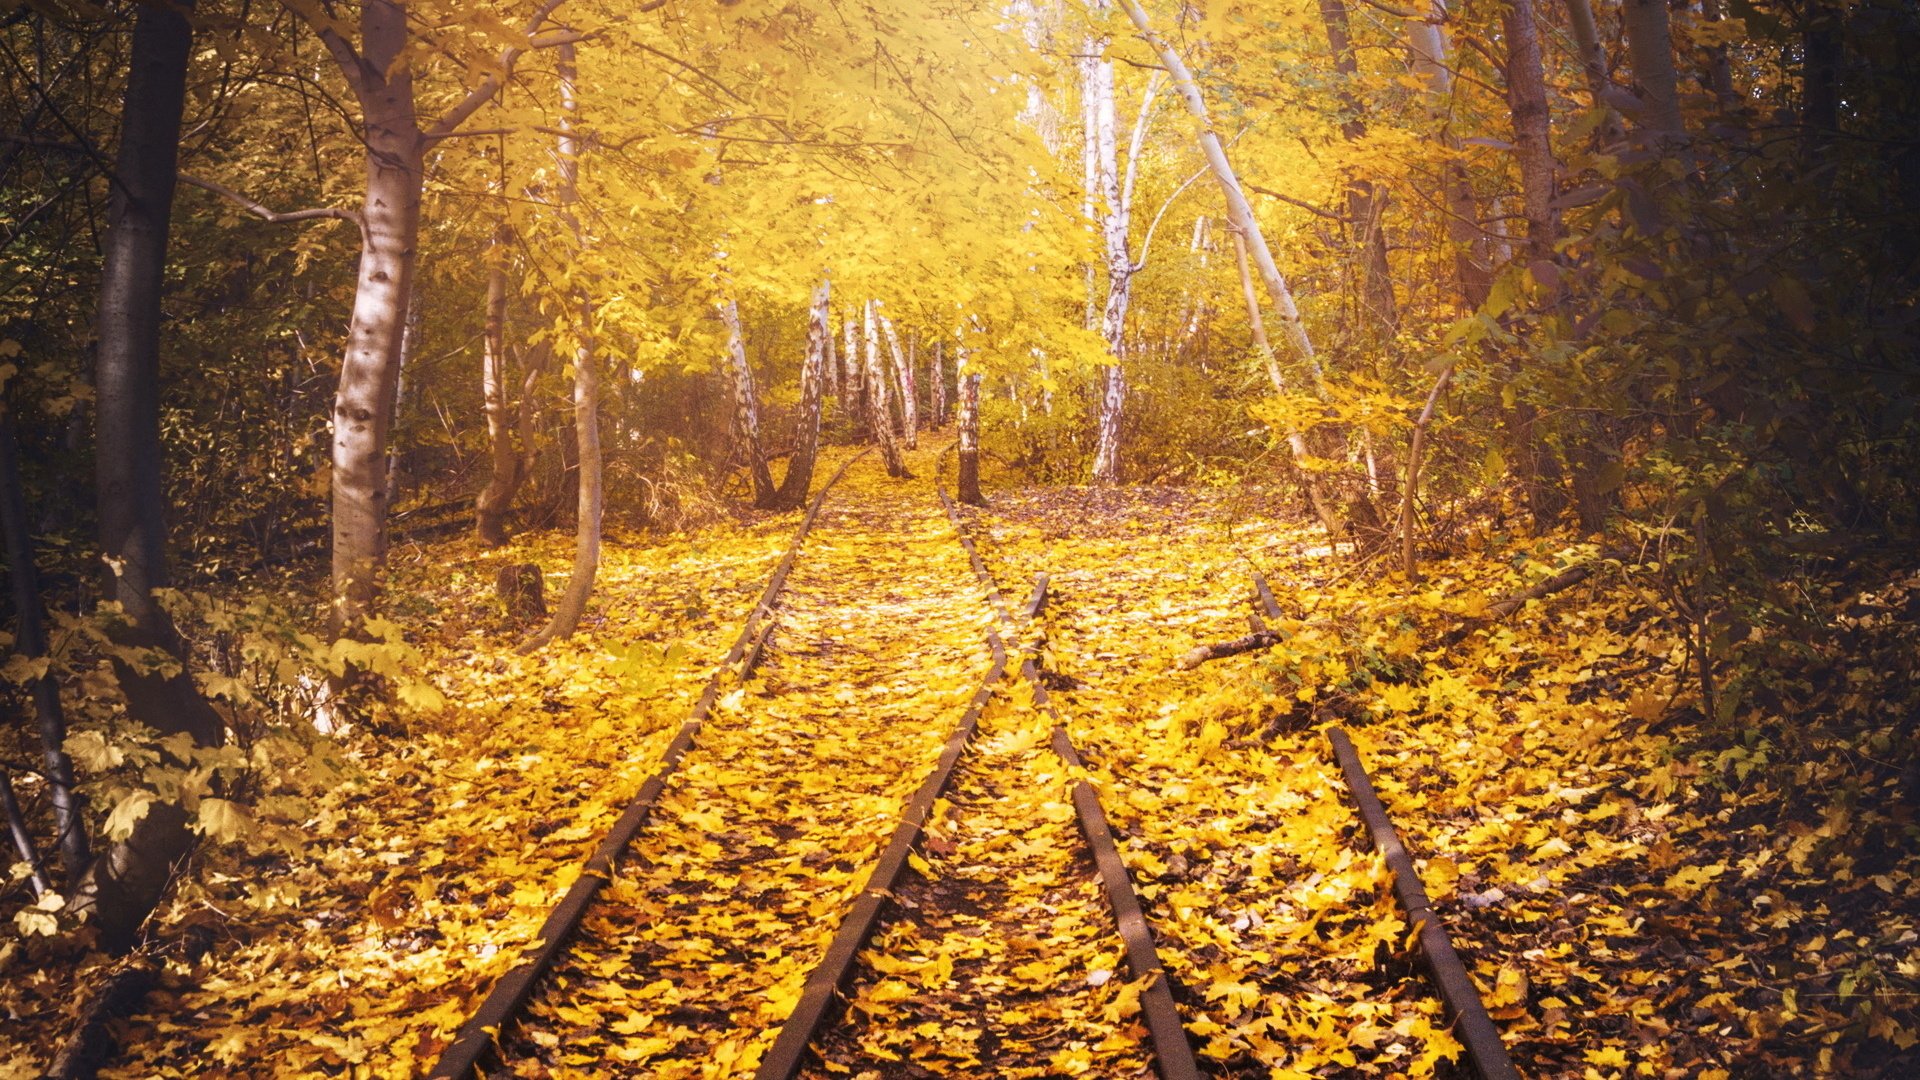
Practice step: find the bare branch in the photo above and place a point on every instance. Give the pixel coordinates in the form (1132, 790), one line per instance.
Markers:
(1290, 200)
(318, 213)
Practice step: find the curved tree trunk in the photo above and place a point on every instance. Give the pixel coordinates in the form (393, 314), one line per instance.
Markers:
(969, 423)
(1239, 211)
(813, 378)
(586, 386)
(124, 884)
(490, 509)
(879, 411)
(746, 408)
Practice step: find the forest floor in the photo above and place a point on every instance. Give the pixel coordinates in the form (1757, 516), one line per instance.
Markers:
(1638, 892)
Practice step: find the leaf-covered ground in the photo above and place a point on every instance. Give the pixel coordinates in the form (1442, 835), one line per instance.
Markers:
(1639, 893)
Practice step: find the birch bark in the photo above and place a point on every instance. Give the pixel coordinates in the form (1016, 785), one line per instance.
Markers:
(813, 378)
(969, 424)
(490, 509)
(746, 408)
(909, 392)
(879, 410)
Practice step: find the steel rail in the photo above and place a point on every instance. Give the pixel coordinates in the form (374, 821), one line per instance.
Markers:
(478, 1037)
(1173, 1055)
(1458, 993)
(834, 973)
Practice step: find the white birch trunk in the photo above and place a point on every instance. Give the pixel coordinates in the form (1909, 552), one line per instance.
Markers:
(903, 371)
(746, 407)
(1239, 211)
(879, 413)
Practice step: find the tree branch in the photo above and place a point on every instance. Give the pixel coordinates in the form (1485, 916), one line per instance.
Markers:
(1290, 200)
(491, 85)
(263, 213)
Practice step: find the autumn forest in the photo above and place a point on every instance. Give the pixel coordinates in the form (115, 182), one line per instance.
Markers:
(960, 538)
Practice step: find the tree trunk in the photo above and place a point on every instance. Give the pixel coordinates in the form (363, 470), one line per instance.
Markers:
(1110, 202)
(1365, 204)
(909, 392)
(1239, 211)
(1527, 98)
(586, 384)
(1650, 46)
(1822, 52)
(855, 404)
(936, 370)
(30, 641)
(533, 363)
(123, 886)
(1593, 67)
(1416, 447)
(490, 509)
(879, 411)
(1428, 45)
(1719, 65)
(813, 377)
(969, 423)
(746, 408)
(1296, 442)
(370, 370)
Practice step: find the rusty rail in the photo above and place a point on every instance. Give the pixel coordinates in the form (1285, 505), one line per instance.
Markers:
(831, 976)
(1173, 1055)
(1458, 993)
(478, 1037)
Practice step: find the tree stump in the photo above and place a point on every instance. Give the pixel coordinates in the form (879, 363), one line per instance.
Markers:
(522, 590)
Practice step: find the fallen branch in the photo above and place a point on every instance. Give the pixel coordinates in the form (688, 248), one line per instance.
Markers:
(1200, 654)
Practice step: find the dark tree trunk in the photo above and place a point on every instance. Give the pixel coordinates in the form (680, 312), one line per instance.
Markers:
(813, 377)
(969, 483)
(1821, 50)
(1365, 203)
(1650, 46)
(30, 640)
(125, 884)
(1527, 98)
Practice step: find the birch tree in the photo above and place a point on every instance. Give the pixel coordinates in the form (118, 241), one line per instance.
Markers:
(879, 410)
(909, 392)
(746, 408)
(813, 378)
(586, 377)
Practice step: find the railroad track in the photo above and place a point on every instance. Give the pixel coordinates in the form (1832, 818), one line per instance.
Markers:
(730, 939)
(478, 1041)
(1449, 980)
(796, 1049)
